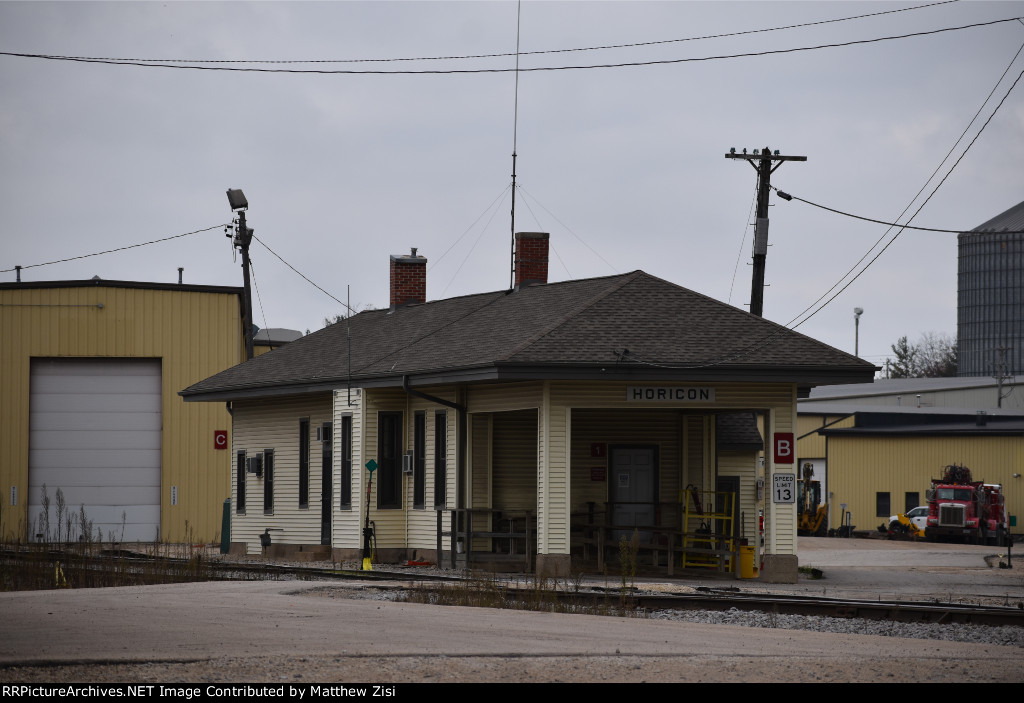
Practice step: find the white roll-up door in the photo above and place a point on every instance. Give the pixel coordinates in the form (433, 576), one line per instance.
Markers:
(94, 433)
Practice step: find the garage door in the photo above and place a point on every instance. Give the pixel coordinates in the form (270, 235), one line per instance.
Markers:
(94, 433)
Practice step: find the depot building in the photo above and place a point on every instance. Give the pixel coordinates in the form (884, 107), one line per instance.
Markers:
(538, 425)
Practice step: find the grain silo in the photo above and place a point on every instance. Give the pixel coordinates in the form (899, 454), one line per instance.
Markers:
(990, 296)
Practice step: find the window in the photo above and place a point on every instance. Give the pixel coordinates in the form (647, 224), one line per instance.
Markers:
(304, 462)
(440, 459)
(911, 501)
(346, 462)
(240, 483)
(419, 458)
(882, 505)
(326, 471)
(389, 460)
(268, 481)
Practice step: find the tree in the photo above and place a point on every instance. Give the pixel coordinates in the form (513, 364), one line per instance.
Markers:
(932, 356)
(905, 364)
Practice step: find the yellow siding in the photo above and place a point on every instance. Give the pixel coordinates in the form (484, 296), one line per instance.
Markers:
(273, 423)
(195, 334)
(744, 465)
(585, 412)
(514, 439)
(861, 466)
(812, 446)
(347, 524)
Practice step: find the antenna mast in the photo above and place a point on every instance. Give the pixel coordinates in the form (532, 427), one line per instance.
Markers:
(515, 129)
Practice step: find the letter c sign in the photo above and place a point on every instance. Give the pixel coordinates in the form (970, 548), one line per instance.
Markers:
(785, 448)
(220, 439)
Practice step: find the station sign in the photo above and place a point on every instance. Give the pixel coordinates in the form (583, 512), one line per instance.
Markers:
(670, 394)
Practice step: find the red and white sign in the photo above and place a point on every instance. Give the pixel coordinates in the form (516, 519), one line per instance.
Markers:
(785, 448)
(220, 439)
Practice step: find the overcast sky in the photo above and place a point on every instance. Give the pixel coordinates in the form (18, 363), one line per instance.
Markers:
(624, 166)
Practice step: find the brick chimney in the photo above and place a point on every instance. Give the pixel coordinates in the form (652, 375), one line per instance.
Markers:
(531, 258)
(408, 279)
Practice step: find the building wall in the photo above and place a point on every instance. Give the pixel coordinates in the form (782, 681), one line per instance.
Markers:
(194, 333)
(860, 466)
(777, 400)
(529, 448)
(273, 423)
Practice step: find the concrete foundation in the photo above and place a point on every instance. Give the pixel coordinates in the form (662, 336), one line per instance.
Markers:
(554, 565)
(298, 552)
(780, 568)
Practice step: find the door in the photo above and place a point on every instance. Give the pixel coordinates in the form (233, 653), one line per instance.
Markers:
(633, 487)
(95, 429)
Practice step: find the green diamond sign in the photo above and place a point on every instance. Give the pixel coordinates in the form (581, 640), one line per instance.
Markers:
(371, 465)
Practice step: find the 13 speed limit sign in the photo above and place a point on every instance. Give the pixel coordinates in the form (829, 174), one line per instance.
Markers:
(784, 488)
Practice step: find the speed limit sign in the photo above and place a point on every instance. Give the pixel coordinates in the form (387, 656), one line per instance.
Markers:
(784, 488)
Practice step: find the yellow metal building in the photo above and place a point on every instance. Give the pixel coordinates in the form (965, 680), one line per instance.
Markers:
(89, 375)
(880, 462)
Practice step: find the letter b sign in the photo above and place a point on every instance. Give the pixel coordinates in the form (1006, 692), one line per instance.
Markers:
(785, 448)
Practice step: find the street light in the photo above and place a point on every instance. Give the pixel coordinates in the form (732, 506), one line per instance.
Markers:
(857, 312)
(238, 203)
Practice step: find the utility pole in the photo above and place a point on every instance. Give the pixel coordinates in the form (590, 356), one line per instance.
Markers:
(1001, 374)
(242, 239)
(764, 159)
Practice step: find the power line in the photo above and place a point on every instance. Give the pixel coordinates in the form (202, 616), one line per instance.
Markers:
(111, 251)
(762, 343)
(627, 64)
(304, 277)
(930, 195)
(524, 53)
(787, 196)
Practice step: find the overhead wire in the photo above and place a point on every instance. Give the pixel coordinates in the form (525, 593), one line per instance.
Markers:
(540, 228)
(788, 196)
(472, 248)
(111, 251)
(304, 276)
(567, 228)
(761, 344)
(487, 209)
(939, 185)
(454, 71)
(259, 297)
(526, 53)
(739, 254)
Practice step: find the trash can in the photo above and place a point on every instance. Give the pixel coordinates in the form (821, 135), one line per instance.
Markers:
(747, 569)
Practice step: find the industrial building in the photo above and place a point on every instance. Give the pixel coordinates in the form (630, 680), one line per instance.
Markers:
(542, 422)
(875, 447)
(89, 375)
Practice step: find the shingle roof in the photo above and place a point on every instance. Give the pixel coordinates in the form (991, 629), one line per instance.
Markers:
(632, 325)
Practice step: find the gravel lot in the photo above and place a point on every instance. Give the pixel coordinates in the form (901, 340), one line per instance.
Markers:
(289, 632)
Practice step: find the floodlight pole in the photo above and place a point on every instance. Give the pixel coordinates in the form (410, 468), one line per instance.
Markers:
(244, 239)
(764, 170)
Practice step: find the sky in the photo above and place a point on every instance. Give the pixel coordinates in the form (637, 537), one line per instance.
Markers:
(623, 164)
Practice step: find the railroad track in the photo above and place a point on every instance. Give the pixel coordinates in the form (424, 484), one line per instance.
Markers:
(706, 598)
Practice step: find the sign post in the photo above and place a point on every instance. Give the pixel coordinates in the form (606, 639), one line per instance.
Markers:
(371, 466)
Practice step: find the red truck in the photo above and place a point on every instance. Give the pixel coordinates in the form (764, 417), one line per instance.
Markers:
(964, 509)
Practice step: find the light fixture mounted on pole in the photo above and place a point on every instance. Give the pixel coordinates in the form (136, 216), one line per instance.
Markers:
(857, 312)
(241, 241)
(764, 158)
